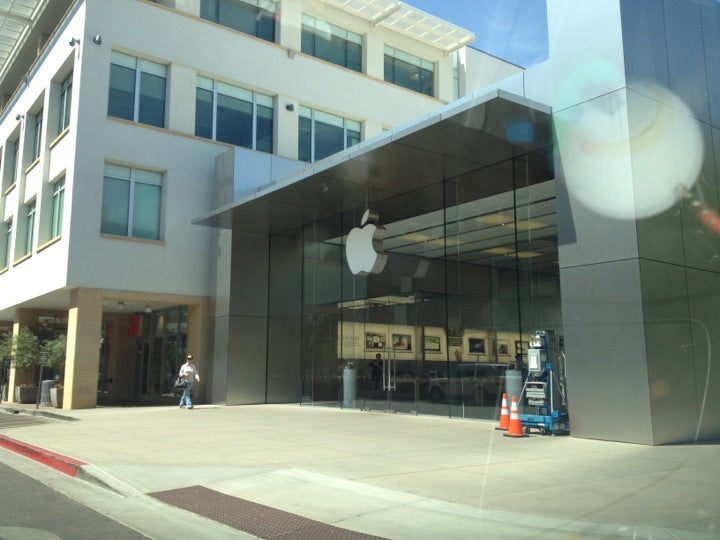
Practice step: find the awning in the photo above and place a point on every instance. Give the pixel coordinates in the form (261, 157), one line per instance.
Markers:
(458, 139)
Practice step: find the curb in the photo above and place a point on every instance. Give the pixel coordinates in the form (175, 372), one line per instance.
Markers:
(38, 412)
(59, 462)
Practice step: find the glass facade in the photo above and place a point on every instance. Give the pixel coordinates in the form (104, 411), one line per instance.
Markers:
(161, 343)
(472, 270)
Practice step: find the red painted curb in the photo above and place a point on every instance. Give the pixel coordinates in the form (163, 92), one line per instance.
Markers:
(59, 462)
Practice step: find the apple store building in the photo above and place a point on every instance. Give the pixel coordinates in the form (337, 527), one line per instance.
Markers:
(409, 272)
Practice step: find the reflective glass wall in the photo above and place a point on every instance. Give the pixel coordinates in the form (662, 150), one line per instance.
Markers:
(471, 272)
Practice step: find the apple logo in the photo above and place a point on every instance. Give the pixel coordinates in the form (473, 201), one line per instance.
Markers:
(364, 248)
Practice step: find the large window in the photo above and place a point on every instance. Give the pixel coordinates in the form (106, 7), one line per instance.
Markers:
(7, 238)
(254, 17)
(233, 115)
(137, 90)
(322, 134)
(409, 71)
(13, 164)
(65, 103)
(37, 136)
(30, 231)
(331, 43)
(58, 203)
(131, 202)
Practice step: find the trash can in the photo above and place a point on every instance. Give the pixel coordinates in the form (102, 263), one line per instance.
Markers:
(349, 385)
(513, 385)
(45, 387)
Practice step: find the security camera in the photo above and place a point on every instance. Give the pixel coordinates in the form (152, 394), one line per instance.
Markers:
(97, 39)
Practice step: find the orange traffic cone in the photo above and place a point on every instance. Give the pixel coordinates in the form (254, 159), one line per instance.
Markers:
(504, 415)
(515, 428)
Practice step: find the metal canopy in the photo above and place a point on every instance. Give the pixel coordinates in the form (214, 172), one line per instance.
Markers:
(406, 19)
(457, 140)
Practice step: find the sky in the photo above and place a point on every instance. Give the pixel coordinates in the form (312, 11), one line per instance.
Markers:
(514, 30)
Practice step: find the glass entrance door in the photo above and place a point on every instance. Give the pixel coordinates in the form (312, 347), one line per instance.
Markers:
(384, 338)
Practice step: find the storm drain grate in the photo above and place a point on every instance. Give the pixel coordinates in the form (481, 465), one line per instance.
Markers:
(253, 518)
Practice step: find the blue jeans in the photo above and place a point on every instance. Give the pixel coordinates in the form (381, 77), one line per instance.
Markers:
(186, 398)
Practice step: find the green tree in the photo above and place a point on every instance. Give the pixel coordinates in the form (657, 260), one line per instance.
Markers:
(22, 348)
(55, 349)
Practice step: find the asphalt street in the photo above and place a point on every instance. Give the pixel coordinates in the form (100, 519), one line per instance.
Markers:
(30, 510)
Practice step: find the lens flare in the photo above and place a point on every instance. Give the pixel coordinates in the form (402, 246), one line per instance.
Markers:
(630, 154)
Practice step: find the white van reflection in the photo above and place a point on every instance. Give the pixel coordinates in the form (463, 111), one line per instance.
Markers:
(478, 383)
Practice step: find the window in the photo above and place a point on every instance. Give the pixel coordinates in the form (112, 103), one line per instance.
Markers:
(7, 237)
(131, 202)
(37, 137)
(233, 115)
(254, 17)
(30, 231)
(409, 71)
(137, 90)
(65, 103)
(58, 202)
(13, 163)
(331, 43)
(322, 134)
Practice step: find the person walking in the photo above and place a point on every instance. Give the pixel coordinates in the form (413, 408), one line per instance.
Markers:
(188, 373)
(376, 374)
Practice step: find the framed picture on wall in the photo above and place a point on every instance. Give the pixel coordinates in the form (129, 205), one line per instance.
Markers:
(476, 345)
(432, 344)
(503, 348)
(521, 347)
(402, 342)
(375, 340)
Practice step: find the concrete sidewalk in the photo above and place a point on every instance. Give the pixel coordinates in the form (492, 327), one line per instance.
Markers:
(385, 475)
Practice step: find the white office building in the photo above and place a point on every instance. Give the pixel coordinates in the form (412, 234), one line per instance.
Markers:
(181, 176)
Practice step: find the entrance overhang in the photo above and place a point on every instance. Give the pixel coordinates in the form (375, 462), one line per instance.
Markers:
(461, 138)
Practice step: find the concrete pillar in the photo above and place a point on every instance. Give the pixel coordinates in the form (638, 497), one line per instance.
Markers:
(286, 127)
(374, 56)
(290, 27)
(83, 349)
(198, 337)
(181, 99)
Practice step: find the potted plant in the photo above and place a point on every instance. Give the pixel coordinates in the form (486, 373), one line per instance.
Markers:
(26, 393)
(23, 349)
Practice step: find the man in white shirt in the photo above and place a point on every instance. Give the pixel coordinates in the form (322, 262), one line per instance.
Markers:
(189, 373)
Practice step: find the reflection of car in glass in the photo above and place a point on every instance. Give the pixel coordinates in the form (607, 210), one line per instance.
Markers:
(478, 383)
